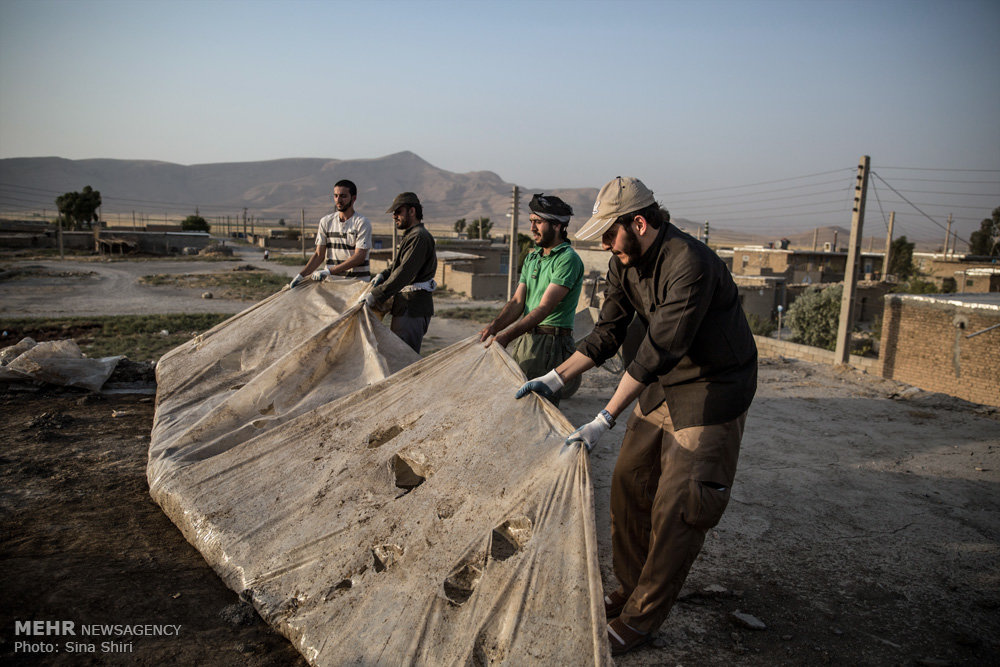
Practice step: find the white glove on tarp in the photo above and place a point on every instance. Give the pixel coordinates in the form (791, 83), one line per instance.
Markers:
(370, 300)
(379, 278)
(296, 280)
(545, 386)
(590, 433)
(320, 275)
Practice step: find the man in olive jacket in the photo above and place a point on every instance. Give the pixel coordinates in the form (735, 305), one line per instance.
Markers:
(410, 278)
(695, 375)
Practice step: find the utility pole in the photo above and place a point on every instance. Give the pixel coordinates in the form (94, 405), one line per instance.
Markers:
(947, 237)
(511, 269)
(302, 232)
(843, 352)
(815, 238)
(244, 224)
(395, 241)
(888, 246)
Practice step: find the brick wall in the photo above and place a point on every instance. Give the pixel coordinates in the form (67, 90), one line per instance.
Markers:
(772, 347)
(924, 344)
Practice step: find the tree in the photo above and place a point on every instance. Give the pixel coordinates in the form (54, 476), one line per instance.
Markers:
(814, 316)
(460, 225)
(479, 228)
(525, 244)
(901, 262)
(986, 240)
(195, 223)
(281, 222)
(77, 208)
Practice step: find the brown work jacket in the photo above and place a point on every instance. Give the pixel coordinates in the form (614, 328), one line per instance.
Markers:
(698, 352)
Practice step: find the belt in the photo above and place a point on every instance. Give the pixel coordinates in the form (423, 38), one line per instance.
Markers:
(546, 330)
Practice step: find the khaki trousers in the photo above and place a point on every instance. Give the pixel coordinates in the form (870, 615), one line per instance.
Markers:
(537, 354)
(668, 488)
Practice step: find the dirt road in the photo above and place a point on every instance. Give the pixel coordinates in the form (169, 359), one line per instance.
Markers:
(864, 530)
(44, 289)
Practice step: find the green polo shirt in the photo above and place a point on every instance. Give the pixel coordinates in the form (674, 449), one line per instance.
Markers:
(561, 266)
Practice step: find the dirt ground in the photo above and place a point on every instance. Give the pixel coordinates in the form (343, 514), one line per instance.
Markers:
(864, 529)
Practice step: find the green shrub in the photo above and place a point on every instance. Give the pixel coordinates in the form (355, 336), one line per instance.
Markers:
(814, 317)
(761, 326)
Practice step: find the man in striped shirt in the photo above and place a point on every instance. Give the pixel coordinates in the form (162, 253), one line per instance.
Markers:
(344, 240)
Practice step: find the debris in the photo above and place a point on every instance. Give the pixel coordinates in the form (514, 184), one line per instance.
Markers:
(747, 621)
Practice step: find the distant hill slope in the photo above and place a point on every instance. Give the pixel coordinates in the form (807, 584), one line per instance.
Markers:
(277, 188)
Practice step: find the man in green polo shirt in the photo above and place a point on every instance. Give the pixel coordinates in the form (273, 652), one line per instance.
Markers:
(539, 318)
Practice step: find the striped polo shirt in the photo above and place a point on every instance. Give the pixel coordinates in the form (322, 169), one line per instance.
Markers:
(343, 238)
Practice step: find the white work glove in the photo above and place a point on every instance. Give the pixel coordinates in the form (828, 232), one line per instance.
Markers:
(370, 300)
(379, 278)
(545, 386)
(590, 433)
(320, 275)
(296, 280)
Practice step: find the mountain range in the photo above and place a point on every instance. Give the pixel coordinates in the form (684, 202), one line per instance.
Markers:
(275, 189)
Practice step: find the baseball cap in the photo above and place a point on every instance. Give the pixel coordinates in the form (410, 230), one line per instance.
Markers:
(619, 196)
(403, 199)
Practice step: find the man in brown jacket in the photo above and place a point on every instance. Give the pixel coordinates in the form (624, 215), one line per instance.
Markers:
(695, 375)
(410, 278)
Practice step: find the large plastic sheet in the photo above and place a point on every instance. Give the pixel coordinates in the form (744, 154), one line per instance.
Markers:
(375, 515)
(55, 362)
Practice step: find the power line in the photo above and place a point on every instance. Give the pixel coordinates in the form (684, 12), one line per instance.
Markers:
(941, 180)
(751, 185)
(948, 206)
(675, 202)
(989, 171)
(909, 202)
(879, 201)
(959, 194)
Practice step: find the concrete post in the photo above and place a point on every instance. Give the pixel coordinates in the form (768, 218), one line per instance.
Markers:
(843, 351)
(888, 246)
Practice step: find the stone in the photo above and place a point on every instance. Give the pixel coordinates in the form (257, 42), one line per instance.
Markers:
(747, 621)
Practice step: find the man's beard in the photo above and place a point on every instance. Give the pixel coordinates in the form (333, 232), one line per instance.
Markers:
(546, 239)
(632, 249)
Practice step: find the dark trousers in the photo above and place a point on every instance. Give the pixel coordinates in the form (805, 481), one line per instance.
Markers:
(410, 329)
(668, 488)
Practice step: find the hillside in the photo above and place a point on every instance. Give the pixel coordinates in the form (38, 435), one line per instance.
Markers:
(275, 189)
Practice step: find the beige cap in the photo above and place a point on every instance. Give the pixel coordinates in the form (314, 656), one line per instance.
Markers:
(618, 197)
(403, 199)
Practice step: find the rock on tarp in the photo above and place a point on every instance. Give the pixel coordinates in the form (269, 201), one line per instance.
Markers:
(375, 515)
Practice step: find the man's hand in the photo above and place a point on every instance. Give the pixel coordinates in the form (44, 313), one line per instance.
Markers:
(319, 276)
(485, 333)
(545, 386)
(588, 434)
(370, 300)
(379, 278)
(296, 280)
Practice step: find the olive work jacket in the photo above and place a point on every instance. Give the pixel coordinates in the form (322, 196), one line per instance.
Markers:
(415, 262)
(698, 352)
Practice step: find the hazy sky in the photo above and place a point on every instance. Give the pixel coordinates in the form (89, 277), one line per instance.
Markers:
(688, 96)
